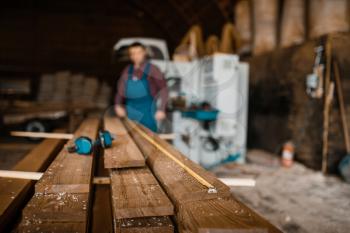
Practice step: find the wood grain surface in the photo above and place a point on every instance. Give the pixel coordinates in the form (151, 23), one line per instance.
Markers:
(70, 172)
(58, 205)
(136, 193)
(13, 192)
(196, 209)
(144, 225)
(179, 185)
(124, 152)
(221, 215)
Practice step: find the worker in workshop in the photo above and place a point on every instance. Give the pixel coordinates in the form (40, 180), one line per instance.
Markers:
(142, 92)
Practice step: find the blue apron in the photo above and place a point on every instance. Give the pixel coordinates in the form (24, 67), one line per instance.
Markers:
(140, 105)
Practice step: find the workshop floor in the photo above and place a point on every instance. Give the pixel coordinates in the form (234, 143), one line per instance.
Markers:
(297, 200)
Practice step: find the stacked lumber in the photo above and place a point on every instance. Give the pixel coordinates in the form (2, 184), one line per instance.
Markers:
(14, 192)
(139, 203)
(61, 201)
(76, 90)
(140, 198)
(197, 210)
(61, 84)
(103, 95)
(46, 88)
(89, 90)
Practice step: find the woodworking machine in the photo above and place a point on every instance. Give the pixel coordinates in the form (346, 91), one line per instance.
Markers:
(220, 80)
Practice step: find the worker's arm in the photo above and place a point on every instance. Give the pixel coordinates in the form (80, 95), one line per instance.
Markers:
(120, 95)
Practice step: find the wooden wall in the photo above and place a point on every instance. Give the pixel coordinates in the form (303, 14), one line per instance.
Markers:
(280, 109)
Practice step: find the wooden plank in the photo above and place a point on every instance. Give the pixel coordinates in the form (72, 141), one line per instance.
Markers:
(327, 104)
(21, 174)
(177, 183)
(70, 172)
(46, 227)
(14, 192)
(136, 193)
(340, 96)
(56, 207)
(326, 115)
(101, 180)
(62, 199)
(196, 209)
(144, 225)
(221, 215)
(124, 152)
(41, 135)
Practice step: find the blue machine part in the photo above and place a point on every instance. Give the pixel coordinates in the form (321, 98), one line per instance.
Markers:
(201, 115)
(82, 146)
(105, 138)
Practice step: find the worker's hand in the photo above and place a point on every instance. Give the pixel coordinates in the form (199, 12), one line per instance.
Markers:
(120, 111)
(160, 115)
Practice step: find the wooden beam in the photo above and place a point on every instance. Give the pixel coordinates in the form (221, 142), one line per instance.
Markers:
(124, 152)
(70, 172)
(21, 174)
(62, 196)
(339, 90)
(136, 193)
(41, 135)
(221, 215)
(327, 103)
(38, 175)
(107, 180)
(144, 225)
(177, 182)
(326, 113)
(232, 182)
(14, 192)
(101, 180)
(196, 209)
(55, 207)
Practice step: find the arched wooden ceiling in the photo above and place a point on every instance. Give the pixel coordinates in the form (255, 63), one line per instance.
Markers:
(42, 36)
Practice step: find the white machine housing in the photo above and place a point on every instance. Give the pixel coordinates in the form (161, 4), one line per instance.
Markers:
(220, 80)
